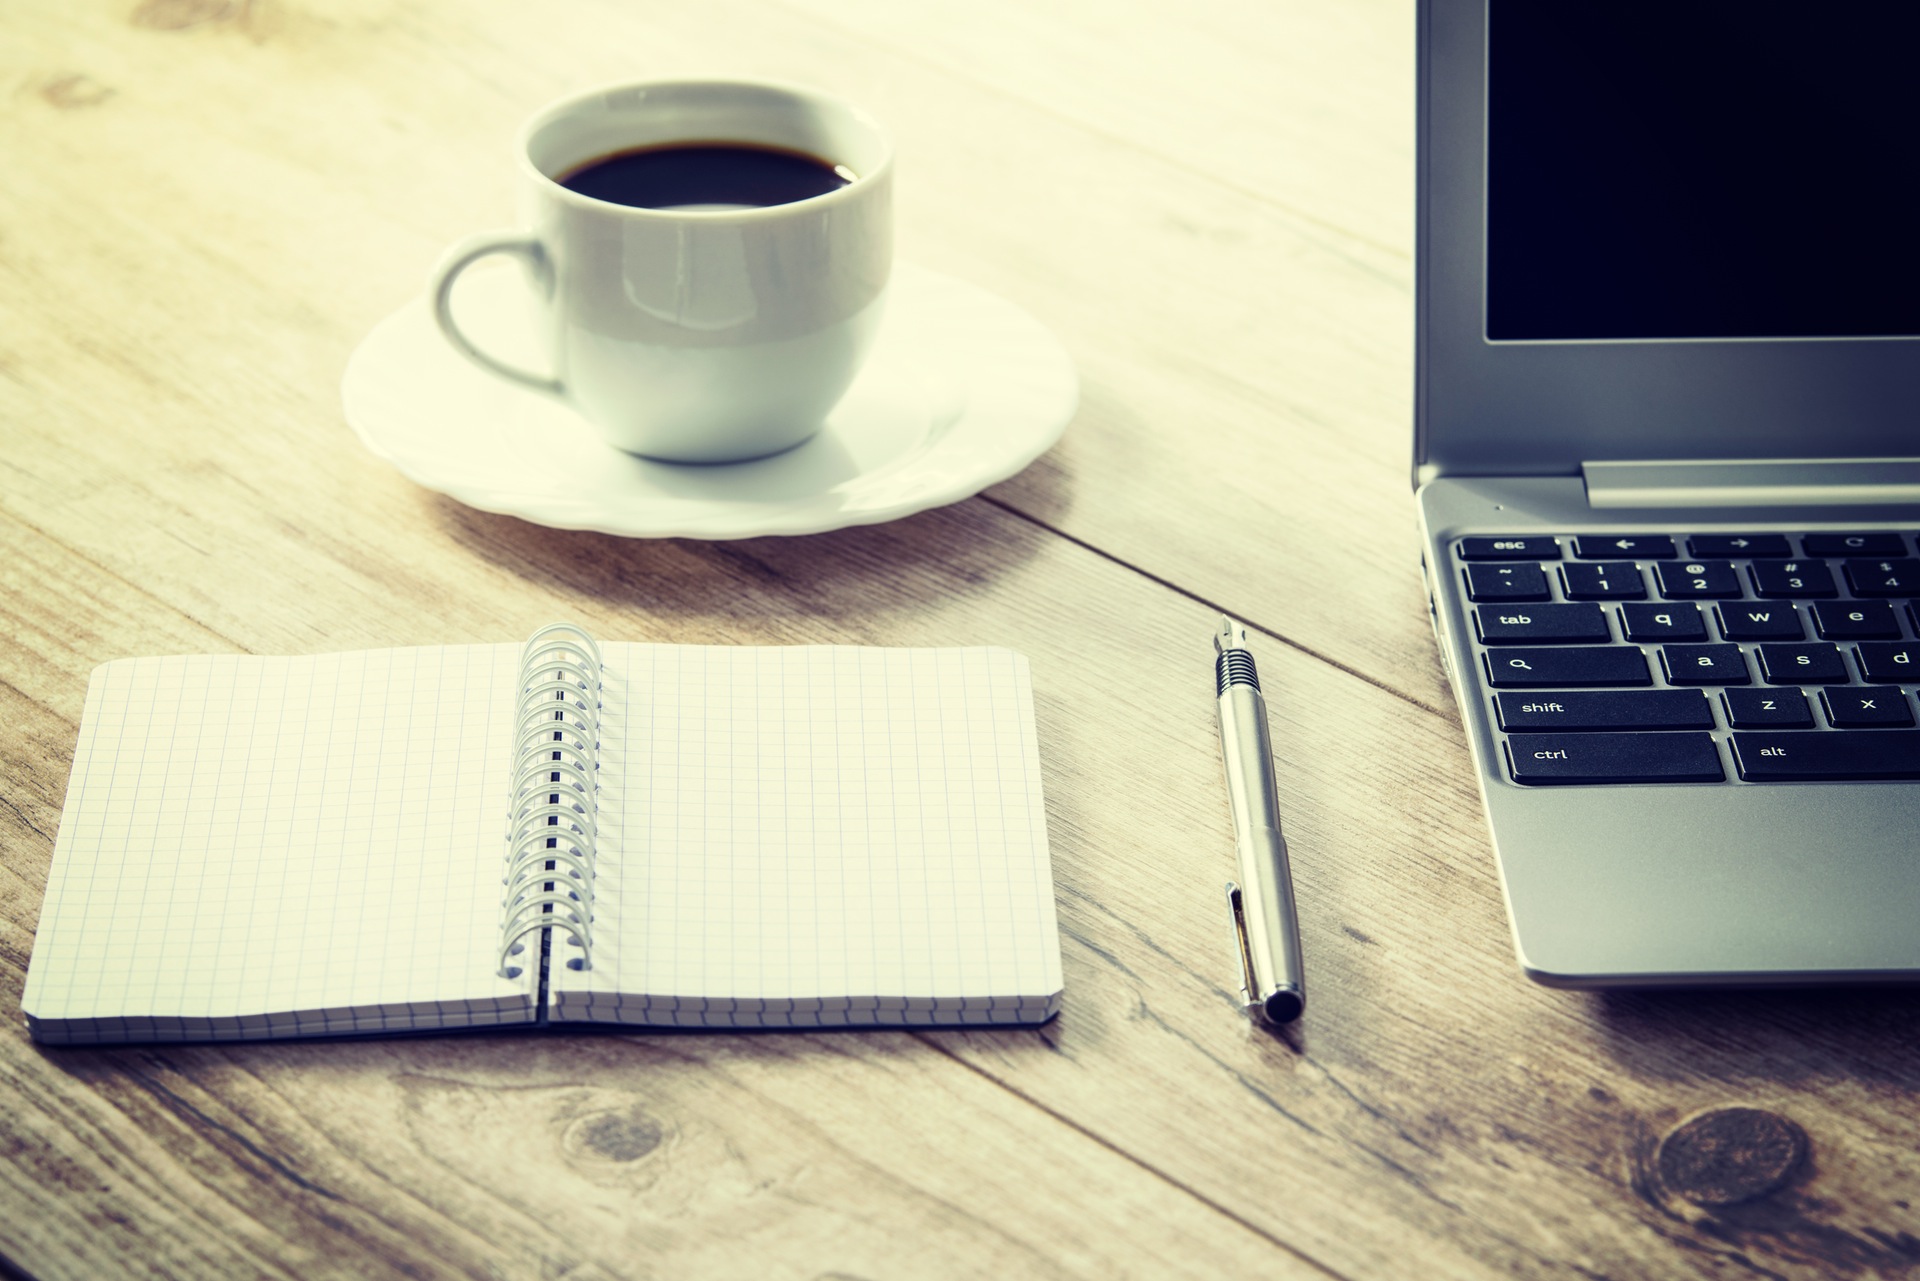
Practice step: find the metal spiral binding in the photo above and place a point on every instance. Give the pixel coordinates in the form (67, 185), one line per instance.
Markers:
(551, 828)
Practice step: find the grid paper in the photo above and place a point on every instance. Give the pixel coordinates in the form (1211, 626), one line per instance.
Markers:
(808, 836)
(256, 847)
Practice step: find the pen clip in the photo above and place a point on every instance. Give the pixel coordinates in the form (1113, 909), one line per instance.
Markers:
(1242, 951)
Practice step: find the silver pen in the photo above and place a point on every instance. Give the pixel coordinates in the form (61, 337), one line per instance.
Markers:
(1266, 932)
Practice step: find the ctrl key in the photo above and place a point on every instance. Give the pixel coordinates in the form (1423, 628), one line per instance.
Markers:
(1613, 758)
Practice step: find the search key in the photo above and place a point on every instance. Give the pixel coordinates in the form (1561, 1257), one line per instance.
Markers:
(1573, 665)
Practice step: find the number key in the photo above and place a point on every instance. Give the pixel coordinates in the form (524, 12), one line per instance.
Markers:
(1883, 577)
(1692, 579)
(1792, 578)
(1614, 580)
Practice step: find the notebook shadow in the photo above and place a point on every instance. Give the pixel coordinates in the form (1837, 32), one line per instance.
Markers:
(852, 576)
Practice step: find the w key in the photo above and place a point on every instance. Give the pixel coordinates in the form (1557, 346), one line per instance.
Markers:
(1541, 625)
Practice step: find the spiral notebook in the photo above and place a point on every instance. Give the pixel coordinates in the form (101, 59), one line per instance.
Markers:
(561, 832)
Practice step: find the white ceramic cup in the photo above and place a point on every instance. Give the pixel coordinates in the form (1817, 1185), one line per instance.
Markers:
(695, 334)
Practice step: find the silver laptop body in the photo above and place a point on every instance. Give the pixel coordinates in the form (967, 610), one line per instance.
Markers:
(1668, 288)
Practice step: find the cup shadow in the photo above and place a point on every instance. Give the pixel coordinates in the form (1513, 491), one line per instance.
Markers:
(857, 577)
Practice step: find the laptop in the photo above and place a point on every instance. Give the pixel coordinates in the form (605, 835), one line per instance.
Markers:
(1667, 455)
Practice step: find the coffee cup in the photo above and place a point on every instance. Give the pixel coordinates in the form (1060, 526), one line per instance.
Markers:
(708, 260)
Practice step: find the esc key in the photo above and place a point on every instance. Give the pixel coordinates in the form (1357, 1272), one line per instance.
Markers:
(1543, 547)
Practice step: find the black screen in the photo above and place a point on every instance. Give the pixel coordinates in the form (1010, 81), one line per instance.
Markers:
(1703, 169)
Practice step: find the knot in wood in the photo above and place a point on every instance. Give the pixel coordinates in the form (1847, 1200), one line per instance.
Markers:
(1731, 1155)
(615, 1136)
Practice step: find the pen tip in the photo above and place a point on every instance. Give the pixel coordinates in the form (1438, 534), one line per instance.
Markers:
(1224, 639)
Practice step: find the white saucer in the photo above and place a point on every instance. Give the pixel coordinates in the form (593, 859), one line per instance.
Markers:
(963, 389)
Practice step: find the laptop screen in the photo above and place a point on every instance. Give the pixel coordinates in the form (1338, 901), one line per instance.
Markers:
(1702, 169)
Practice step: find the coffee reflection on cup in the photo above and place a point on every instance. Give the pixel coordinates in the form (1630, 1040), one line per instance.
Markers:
(710, 259)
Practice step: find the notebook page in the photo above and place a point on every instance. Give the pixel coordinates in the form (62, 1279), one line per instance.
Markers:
(281, 846)
(818, 835)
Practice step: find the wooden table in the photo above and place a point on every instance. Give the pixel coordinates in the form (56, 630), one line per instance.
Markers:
(204, 204)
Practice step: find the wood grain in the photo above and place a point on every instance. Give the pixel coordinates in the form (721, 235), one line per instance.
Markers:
(209, 201)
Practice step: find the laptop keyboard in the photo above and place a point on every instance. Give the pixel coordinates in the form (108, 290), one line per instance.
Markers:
(1699, 658)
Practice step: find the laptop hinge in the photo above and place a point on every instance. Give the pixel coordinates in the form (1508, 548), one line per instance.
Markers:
(1774, 482)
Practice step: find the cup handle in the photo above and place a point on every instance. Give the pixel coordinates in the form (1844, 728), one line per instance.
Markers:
(458, 259)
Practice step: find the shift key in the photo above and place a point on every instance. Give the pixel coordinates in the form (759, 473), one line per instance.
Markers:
(1614, 758)
(1603, 709)
(1572, 665)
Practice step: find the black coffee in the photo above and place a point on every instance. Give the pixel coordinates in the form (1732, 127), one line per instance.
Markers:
(706, 173)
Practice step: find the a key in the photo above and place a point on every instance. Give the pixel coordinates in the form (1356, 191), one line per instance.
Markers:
(1506, 582)
(1884, 663)
(1704, 665)
(1866, 707)
(1853, 545)
(1663, 623)
(1883, 577)
(1792, 578)
(1738, 545)
(1608, 709)
(1750, 620)
(1541, 625)
(1614, 758)
(1767, 709)
(1767, 757)
(1814, 663)
(1575, 665)
(1692, 579)
(1614, 580)
(1624, 547)
(1855, 620)
(1536, 548)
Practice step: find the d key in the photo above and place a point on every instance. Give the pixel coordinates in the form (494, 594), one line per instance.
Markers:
(1884, 663)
